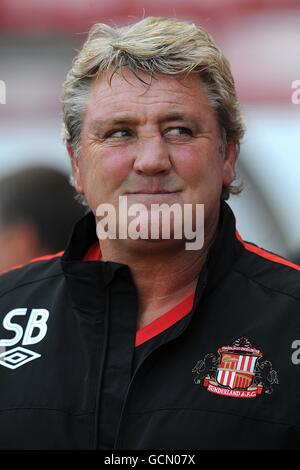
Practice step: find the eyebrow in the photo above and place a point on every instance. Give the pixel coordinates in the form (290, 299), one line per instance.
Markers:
(177, 116)
(100, 124)
(126, 119)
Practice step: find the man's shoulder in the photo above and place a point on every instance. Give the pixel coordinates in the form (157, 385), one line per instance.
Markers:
(269, 270)
(36, 270)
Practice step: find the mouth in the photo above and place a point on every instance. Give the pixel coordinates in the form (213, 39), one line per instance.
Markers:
(156, 192)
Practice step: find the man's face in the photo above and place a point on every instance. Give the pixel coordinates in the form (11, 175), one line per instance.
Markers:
(154, 144)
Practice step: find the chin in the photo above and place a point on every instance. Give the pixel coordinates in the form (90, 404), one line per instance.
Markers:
(152, 247)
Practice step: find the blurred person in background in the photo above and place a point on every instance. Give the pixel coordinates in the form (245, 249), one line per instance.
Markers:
(124, 343)
(37, 212)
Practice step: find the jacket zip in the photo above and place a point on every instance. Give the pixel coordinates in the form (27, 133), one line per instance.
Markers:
(202, 286)
(102, 367)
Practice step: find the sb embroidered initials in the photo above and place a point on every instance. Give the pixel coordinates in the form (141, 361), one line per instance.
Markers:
(35, 331)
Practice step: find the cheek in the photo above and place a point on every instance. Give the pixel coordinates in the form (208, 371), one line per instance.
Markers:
(115, 165)
(187, 164)
(194, 166)
(103, 173)
(202, 173)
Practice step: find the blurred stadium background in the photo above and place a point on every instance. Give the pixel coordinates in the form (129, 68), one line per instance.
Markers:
(261, 39)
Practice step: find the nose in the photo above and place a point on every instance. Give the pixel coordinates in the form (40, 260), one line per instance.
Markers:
(152, 156)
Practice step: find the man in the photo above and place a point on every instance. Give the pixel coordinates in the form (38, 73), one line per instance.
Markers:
(136, 342)
(37, 212)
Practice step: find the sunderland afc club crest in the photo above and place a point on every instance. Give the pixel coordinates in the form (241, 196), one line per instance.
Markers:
(237, 372)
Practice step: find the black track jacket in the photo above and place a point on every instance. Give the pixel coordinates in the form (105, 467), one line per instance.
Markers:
(224, 376)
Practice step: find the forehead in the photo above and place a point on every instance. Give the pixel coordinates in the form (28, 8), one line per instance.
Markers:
(152, 97)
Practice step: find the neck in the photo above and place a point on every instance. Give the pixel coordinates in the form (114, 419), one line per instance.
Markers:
(164, 273)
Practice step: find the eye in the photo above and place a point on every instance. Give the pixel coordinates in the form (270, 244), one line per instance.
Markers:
(179, 131)
(119, 133)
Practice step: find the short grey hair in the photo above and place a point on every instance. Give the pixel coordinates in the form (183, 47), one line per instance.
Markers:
(156, 46)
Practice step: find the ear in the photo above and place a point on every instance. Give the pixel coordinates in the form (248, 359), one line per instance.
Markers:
(75, 170)
(229, 164)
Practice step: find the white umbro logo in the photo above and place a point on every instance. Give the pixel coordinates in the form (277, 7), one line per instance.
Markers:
(37, 323)
(17, 357)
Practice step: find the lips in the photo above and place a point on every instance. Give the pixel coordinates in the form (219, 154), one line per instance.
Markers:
(159, 191)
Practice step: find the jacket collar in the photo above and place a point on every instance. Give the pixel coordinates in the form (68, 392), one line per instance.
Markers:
(226, 248)
(96, 274)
